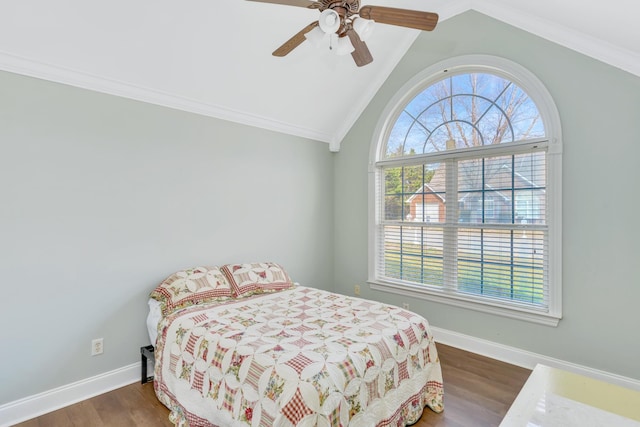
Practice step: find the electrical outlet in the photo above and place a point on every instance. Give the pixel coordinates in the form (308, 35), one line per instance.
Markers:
(405, 305)
(356, 290)
(97, 346)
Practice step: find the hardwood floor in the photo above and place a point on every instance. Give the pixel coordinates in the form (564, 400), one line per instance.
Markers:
(478, 392)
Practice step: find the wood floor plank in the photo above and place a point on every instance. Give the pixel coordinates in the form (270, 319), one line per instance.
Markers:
(142, 415)
(84, 414)
(478, 392)
(35, 422)
(110, 410)
(57, 418)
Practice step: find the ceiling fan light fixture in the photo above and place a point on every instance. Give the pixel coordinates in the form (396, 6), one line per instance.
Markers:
(347, 25)
(316, 37)
(364, 27)
(343, 45)
(329, 21)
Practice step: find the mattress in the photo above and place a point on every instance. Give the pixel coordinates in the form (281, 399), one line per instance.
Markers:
(153, 317)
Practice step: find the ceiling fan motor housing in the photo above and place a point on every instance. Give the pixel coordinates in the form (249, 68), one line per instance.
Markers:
(350, 7)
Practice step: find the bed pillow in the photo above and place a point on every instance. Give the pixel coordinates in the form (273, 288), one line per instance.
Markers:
(256, 278)
(199, 285)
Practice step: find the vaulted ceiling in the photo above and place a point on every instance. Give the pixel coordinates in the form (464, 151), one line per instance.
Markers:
(213, 57)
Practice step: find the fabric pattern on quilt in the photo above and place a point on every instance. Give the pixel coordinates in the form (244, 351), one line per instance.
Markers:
(197, 285)
(252, 278)
(300, 357)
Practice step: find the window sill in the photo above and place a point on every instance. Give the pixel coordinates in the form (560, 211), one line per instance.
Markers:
(513, 312)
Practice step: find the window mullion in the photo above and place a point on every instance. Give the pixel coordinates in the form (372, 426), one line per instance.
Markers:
(513, 220)
(482, 254)
(422, 230)
(450, 253)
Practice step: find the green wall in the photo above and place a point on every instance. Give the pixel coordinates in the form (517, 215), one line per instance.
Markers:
(599, 108)
(102, 197)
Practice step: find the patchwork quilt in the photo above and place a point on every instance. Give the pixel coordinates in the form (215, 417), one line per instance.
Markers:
(299, 357)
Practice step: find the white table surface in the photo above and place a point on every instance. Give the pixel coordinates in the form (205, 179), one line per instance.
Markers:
(556, 398)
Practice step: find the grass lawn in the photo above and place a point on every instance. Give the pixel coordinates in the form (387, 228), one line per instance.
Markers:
(489, 273)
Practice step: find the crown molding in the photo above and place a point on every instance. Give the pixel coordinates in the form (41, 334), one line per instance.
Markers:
(33, 68)
(555, 32)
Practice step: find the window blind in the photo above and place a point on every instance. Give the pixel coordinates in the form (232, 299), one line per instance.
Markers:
(470, 226)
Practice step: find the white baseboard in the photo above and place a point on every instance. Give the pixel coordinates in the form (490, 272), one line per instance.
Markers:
(33, 406)
(525, 359)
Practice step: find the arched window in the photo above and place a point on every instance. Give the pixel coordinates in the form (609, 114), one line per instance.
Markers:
(466, 174)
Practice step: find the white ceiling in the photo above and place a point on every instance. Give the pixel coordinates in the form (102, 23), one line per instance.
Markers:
(214, 58)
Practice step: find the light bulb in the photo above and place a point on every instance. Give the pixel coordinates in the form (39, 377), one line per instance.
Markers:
(329, 21)
(364, 27)
(343, 46)
(316, 37)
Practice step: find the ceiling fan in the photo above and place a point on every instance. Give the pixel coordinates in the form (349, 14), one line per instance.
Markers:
(347, 25)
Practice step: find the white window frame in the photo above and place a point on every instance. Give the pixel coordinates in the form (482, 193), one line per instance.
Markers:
(528, 82)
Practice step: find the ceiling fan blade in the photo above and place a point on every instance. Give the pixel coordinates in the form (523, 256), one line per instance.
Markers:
(300, 3)
(419, 20)
(361, 54)
(294, 41)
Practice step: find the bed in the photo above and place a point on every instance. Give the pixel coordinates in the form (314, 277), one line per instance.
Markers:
(242, 345)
